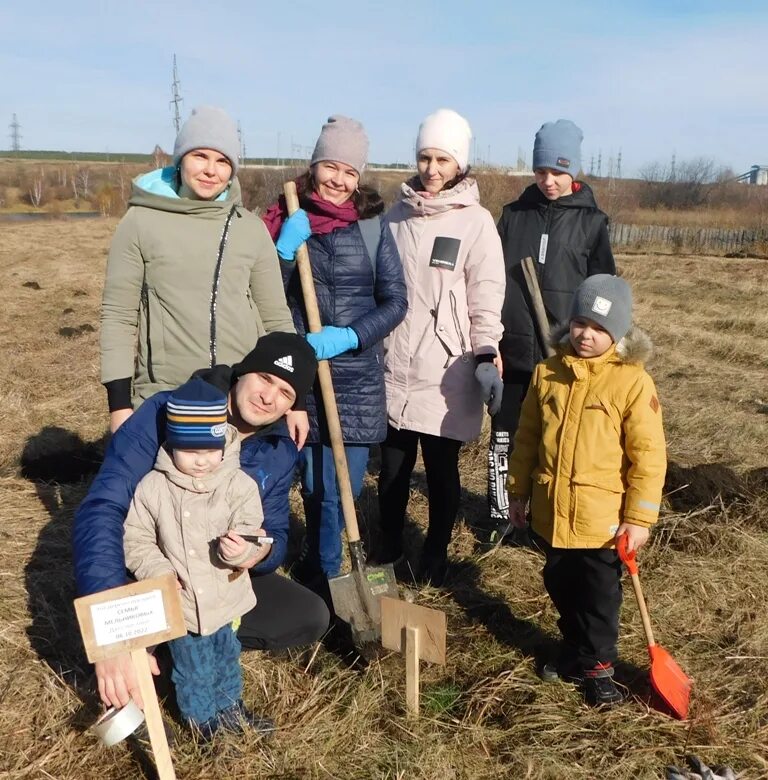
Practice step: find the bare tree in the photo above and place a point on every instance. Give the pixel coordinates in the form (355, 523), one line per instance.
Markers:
(83, 175)
(37, 189)
(688, 185)
(160, 157)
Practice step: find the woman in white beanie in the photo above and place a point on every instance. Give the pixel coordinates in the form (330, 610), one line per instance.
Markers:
(441, 361)
(361, 295)
(192, 275)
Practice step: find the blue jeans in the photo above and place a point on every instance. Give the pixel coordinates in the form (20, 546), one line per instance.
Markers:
(206, 673)
(322, 507)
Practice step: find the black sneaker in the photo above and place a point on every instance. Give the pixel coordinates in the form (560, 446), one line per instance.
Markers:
(237, 718)
(599, 688)
(559, 671)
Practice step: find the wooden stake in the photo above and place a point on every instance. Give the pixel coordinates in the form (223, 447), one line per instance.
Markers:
(412, 670)
(152, 715)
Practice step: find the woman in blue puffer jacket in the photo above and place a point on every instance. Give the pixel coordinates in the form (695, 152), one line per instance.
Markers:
(362, 297)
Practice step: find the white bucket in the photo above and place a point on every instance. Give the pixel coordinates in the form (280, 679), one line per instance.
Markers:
(117, 723)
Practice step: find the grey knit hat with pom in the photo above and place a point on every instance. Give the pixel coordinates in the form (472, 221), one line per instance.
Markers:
(343, 140)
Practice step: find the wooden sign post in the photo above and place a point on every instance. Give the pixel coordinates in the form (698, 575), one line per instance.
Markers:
(421, 632)
(129, 619)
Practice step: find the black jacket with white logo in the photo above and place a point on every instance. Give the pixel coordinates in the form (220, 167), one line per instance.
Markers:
(577, 246)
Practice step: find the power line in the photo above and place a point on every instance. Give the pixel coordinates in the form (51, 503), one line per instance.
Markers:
(15, 135)
(176, 97)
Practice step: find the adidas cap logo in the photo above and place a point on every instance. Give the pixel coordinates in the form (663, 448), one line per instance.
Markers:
(285, 362)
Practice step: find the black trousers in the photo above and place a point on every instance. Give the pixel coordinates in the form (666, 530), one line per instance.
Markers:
(441, 464)
(585, 587)
(503, 427)
(286, 615)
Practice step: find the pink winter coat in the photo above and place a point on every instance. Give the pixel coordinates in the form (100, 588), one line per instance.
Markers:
(454, 272)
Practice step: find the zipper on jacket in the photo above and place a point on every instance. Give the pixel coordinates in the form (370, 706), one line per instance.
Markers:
(215, 289)
(145, 300)
(456, 323)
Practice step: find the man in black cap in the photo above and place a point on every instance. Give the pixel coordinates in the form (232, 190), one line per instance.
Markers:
(270, 381)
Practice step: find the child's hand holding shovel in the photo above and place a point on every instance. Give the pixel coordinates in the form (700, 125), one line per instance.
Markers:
(637, 535)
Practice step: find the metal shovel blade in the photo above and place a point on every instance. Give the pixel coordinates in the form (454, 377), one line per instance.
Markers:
(357, 599)
(670, 681)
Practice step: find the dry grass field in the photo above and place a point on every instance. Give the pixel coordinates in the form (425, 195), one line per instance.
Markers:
(485, 715)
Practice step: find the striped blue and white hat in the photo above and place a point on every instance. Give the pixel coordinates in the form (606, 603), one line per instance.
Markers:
(197, 417)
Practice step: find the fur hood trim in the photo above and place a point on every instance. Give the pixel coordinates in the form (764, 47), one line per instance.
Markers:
(635, 347)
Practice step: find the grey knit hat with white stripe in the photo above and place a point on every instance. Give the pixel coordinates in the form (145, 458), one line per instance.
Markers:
(606, 300)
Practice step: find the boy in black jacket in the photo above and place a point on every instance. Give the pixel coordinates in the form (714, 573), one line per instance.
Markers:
(557, 222)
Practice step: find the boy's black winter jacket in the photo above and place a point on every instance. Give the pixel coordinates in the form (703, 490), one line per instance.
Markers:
(577, 247)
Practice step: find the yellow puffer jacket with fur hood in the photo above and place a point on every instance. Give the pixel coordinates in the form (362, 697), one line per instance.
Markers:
(590, 449)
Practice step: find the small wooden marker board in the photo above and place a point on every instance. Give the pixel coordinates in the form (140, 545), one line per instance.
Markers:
(420, 632)
(129, 619)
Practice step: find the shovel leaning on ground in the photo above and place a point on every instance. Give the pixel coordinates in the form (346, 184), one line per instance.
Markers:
(356, 596)
(667, 678)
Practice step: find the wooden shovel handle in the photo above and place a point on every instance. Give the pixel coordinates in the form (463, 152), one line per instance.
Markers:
(540, 313)
(629, 559)
(326, 382)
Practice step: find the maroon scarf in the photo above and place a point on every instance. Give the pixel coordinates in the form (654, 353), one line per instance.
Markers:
(323, 215)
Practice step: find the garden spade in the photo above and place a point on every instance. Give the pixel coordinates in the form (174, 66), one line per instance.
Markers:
(667, 678)
(356, 596)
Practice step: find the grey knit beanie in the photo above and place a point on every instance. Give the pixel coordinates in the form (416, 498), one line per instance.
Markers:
(343, 140)
(558, 146)
(607, 300)
(208, 127)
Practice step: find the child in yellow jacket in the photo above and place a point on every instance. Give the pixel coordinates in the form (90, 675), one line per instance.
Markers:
(590, 456)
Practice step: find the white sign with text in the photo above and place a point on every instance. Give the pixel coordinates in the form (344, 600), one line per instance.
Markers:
(128, 618)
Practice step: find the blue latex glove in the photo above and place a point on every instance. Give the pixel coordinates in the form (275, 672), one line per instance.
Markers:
(294, 232)
(332, 341)
(492, 387)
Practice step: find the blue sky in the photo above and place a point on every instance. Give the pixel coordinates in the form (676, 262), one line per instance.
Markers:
(649, 78)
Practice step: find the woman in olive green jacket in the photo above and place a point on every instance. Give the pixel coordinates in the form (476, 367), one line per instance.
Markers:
(192, 276)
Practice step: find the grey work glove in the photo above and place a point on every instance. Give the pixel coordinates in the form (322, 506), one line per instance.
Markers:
(492, 387)
(700, 771)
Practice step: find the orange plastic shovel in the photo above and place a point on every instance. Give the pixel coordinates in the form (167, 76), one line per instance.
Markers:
(667, 678)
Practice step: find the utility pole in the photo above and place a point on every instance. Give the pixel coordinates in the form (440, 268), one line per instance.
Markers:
(15, 136)
(618, 165)
(592, 165)
(240, 142)
(177, 99)
(599, 163)
(672, 173)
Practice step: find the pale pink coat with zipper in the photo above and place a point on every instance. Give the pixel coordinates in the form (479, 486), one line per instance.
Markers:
(453, 314)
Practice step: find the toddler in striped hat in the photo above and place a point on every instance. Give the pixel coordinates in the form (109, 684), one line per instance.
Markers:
(199, 516)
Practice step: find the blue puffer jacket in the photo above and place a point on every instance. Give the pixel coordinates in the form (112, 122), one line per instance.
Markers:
(349, 296)
(269, 457)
